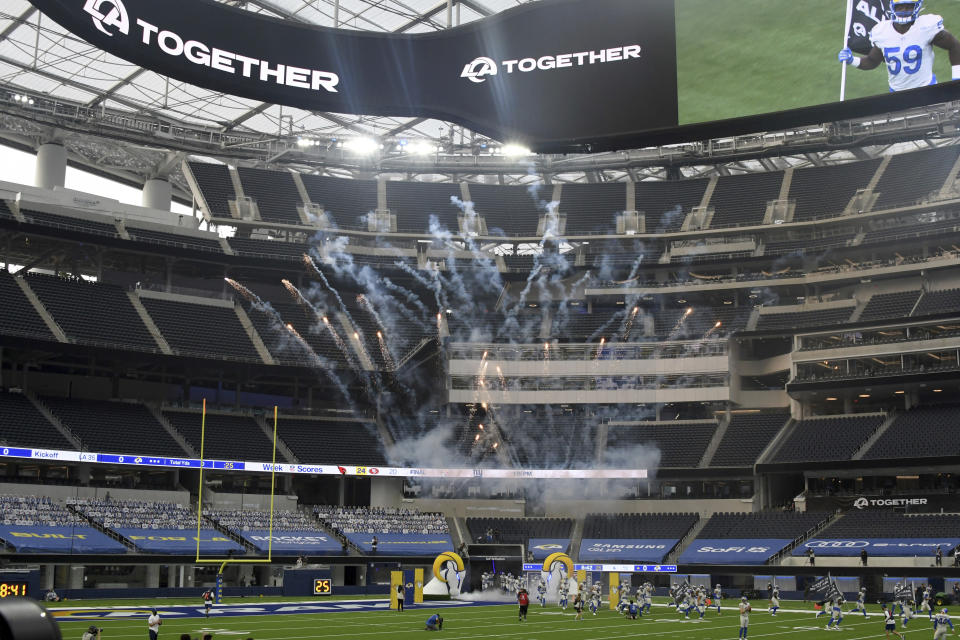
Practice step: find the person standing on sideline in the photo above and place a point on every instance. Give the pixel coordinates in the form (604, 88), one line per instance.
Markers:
(890, 623)
(401, 594)
(523, 600)
(153, 624)
(863, 557)
(939, 556)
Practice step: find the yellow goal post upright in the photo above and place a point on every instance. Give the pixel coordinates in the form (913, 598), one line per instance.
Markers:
(223, 562)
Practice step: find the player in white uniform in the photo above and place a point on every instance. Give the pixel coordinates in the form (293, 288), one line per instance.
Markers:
(542, 592)
(717, 597)
(775, 601)
(744, 617)
(564, 595)
(926, 606)
(647, 598)
(905, 41)
(836, 616)
(624, 602)
(906, 613)
(940, 624)
(701, 602)
(861, 602)
(595, 597)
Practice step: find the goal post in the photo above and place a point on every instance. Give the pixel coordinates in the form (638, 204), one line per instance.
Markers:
(223, 562)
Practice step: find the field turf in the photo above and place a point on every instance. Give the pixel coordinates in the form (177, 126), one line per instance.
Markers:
(746, 57)
(796, 620)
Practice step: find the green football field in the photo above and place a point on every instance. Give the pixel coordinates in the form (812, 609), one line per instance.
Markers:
(797, 620)
(745, 57)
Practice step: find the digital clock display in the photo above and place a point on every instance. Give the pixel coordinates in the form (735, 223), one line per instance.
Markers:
(322, 587)
(13, 589)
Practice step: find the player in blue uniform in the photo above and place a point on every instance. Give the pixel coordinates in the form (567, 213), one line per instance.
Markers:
(905, 41)
(633, 611)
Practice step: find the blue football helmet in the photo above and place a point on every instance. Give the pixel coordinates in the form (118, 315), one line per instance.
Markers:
(904, 12)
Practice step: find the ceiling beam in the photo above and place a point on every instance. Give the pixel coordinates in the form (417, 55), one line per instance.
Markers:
(16, 22)
(119, 85)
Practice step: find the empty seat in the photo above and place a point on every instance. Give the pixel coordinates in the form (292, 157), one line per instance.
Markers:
(216, 186)
(827, 439)
(747, 435)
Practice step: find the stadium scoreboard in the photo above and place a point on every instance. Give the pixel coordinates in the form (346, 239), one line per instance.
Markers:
(614, 568)
(12, 589)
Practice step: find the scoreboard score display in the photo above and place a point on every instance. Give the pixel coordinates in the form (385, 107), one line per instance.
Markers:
(13, 589)
(322, 587)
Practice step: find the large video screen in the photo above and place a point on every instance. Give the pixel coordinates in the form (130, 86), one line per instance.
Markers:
(739, 58)
(557, 75)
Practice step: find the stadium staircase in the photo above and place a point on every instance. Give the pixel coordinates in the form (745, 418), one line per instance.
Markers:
(282, 449)
(787, 551)
(41, 310)
(172, 431)
(686, 540)
(882, 429)
(149, 323)
(576, 537)
(99, 527)
(54, 420)
(714, 443)
(777, 441)
(255, 338)
(248, 547)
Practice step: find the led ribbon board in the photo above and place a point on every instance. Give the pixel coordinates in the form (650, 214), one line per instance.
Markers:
(544, 72)
(324, 470)
(618, 568)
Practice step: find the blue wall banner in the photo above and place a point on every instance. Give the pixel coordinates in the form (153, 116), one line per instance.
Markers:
(403, 544)
(625, 550)
(309, 542)
(180, 541)
(877, 546)
(756, 551)
(59, 540)
(542, 547)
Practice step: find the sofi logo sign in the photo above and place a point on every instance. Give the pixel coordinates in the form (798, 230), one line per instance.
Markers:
(108, 13)
(483, 67)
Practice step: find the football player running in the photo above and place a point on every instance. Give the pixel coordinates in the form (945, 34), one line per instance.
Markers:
(905, 41)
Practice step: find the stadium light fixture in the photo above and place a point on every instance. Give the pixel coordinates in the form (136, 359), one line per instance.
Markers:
(864, 395)
(421, 148)
(831, 399)
(937, 390)
(515, 150)
(362, 145)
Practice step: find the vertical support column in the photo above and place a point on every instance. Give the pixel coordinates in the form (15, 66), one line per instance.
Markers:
(152, 578)
(51, 168)
(157, 194)
(49, 571)
(76, 577)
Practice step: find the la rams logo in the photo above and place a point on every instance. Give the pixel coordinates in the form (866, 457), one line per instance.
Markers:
(860, 503)
(478, 70)
(114, 16)
(549, 547)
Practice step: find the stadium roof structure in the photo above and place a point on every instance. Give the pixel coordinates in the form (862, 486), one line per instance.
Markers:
(133, 124)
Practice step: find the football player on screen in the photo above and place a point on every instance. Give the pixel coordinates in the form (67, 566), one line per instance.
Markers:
(905, 41)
